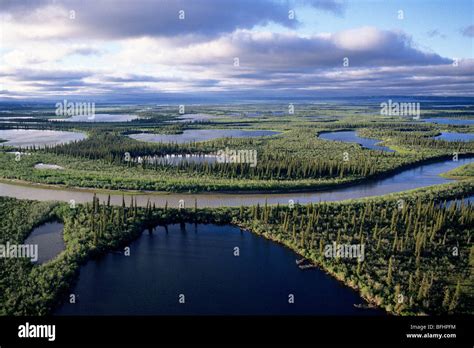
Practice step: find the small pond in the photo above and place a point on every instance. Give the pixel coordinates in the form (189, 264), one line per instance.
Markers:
(49, 238)
(193, 135)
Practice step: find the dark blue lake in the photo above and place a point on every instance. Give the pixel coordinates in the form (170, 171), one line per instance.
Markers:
(198, 261)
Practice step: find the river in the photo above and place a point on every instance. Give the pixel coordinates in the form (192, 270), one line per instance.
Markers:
(420, 176)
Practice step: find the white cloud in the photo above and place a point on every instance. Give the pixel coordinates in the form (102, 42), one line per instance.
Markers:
(46, 53)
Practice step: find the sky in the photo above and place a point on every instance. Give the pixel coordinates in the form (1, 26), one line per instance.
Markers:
(145, 49)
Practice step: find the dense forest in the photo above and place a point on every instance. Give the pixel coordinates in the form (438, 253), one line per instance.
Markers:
(418, 248)
(295, 159)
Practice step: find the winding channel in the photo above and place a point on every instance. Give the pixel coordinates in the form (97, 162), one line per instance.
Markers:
(420, 176)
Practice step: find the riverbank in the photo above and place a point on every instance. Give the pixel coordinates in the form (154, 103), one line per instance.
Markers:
(422, 175)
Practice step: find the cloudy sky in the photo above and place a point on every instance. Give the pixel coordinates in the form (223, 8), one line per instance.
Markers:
(247, 48)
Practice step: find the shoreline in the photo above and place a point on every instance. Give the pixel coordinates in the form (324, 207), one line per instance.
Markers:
(319, 188)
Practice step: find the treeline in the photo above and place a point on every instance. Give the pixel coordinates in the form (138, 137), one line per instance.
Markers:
(278, 167)
(112, 147)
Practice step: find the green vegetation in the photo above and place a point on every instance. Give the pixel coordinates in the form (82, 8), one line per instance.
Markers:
(296, 159)
(89, 230)
(418, 248)
(415, 141)
(18, 277)
(461, 173)
(409, 243)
